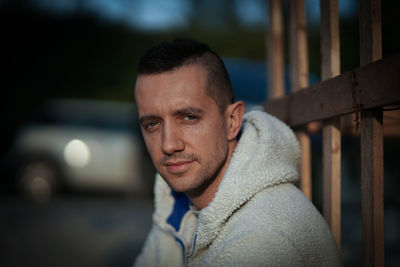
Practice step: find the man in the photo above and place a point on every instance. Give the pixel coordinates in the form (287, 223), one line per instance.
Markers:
(221, 199)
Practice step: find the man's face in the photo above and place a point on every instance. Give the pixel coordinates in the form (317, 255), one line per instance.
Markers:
(184, 131)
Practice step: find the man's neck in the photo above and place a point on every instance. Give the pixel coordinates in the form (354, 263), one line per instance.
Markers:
(201, 197)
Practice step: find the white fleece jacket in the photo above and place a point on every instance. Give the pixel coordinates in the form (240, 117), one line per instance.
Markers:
(257, 217)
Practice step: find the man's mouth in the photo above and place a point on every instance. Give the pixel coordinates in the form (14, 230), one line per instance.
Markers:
(178, 167)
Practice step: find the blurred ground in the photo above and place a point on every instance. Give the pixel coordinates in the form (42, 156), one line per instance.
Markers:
(94, 230)
(73, 230)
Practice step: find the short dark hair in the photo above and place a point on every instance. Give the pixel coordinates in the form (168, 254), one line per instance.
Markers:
(168, 56)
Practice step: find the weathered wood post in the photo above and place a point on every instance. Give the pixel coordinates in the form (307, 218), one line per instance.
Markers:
(331, 135)
(299, 81)
(371, 143)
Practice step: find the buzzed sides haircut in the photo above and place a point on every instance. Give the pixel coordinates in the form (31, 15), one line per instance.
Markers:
(168, 56)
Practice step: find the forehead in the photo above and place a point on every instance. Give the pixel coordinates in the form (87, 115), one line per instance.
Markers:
(181, 87)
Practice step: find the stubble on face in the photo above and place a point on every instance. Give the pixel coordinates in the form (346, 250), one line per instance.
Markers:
(195, 183)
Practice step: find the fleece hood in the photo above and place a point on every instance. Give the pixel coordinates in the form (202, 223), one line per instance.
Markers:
(267, 154)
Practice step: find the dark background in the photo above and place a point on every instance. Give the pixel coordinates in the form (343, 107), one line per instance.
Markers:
(82, 53)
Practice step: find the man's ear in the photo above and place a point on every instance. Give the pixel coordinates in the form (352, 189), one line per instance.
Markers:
(234, 116)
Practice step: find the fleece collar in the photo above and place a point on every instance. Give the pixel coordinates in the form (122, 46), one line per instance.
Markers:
(267, 154)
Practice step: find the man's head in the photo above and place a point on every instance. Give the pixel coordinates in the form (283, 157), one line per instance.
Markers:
(188, 121)
(167, 56)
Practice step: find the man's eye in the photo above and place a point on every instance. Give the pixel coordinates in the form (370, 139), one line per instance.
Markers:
(190, 118)
(151, 125)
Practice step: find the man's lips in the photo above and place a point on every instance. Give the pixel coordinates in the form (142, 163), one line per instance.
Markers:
(178, 166)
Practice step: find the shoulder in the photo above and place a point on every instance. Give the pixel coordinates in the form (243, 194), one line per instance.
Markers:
(282, 206)
(280, 225)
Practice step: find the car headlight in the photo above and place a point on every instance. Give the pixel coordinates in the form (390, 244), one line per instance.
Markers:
(77, 153)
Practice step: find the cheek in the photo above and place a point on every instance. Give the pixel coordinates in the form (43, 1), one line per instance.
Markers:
(152, 145)
(208, 136)
(217, 130)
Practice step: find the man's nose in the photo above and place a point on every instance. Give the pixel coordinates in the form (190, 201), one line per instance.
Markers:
(172, 141)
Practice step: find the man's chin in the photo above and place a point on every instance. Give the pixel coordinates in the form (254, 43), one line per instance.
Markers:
(180, 188)
(179, 183)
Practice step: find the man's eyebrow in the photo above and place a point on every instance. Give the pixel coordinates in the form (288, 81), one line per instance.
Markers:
(189, 110)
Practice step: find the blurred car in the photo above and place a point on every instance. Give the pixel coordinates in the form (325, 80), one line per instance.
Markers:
(82, 145)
